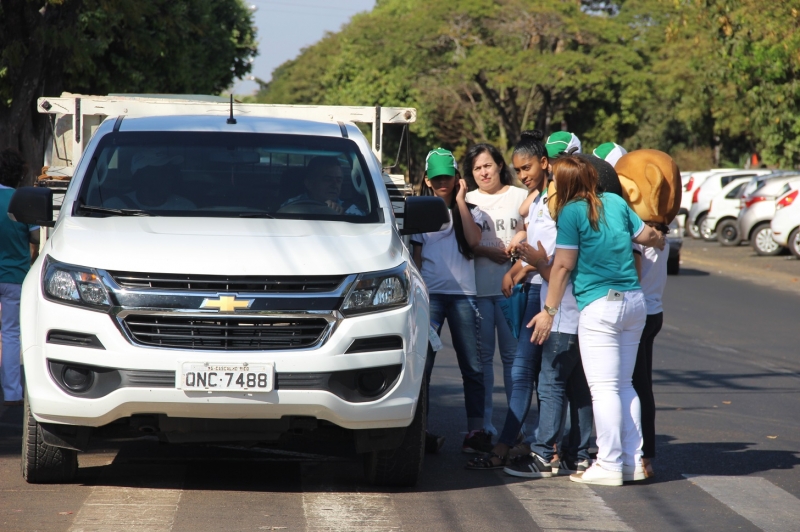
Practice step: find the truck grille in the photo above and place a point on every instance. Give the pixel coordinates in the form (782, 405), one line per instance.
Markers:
(225, 283)
(243, 333)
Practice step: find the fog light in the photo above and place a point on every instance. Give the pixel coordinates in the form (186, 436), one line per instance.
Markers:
(371, 383)
(77, 379)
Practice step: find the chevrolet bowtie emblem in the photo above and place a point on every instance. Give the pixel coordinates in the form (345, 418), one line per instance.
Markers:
(227, 303)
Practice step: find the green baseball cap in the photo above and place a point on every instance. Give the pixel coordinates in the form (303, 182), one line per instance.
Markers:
(560, 142)
(440, 162)
(610, 152)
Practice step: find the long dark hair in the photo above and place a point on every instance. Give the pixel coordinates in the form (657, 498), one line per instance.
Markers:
(576, 179)
(458, 227)
(531, 144)
(469, 160)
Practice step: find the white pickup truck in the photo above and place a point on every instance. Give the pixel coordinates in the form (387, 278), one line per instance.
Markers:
(223, 273)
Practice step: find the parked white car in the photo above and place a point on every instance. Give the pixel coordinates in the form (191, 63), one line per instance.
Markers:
(786, 222)
(720, 221)
(705, 192)
(691, 181)
(197, 288)
(759, 208)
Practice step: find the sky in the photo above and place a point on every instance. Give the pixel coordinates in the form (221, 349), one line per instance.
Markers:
(287, 26)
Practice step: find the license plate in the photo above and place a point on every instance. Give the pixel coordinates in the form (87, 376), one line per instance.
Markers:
(213, 377)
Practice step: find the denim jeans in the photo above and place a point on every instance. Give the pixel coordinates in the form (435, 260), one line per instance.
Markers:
(461, 313)
(609, 333)
(524, 372)
(560, 355)
(9, 371)
(581, 415)
(492, 319)
(643, 382)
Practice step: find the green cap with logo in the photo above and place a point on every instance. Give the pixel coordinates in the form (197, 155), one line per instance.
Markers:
(610, 152)
(440, 162)
(560, 142)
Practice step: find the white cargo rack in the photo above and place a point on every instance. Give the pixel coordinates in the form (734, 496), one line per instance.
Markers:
(78, 116)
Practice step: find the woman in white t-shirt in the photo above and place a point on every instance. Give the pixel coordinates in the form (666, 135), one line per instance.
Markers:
(502, 226)
(445, 260)
(652, 265)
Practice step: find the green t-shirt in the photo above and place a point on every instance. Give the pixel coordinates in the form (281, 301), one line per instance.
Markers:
(605, 257)
(15, 251)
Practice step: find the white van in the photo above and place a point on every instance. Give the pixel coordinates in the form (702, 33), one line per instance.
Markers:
(214, 280)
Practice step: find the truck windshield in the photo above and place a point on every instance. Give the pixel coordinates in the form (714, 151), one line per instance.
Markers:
(213, 174)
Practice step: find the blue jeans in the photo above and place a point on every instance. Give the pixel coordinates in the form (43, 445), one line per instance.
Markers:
(10, 372)
(491, 320)
(560, 354)
(461, 313)
(524, 372)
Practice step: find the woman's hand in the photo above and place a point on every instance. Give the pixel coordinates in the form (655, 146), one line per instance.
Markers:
(508, 284)
(531, 255)
(541, 324)
(461, 195)
(497, 255)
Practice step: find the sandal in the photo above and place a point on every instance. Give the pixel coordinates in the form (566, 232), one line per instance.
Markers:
(486, 462)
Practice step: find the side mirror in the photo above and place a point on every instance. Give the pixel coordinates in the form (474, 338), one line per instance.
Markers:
(424, 214)
(32, 206)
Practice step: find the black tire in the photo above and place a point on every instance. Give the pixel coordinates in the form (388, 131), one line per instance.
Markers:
(42, 463)
(794, 242)
(694, 229)
(401, 467)
(728, 233)
(674, 265)
(709, 234)
(762, 241)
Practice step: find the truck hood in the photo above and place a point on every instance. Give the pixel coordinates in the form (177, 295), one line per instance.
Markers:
(225, 246)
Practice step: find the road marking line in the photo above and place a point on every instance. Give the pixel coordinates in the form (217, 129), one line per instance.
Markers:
(111, 509)
(559, 504)
(350, 512)
(756, 499)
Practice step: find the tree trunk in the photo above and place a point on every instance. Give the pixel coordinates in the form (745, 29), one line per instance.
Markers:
(31, 26)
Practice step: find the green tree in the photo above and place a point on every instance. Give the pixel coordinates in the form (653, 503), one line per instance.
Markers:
(105, 46)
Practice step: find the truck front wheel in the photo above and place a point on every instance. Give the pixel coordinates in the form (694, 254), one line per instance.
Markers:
(401, 467)
(42, 463)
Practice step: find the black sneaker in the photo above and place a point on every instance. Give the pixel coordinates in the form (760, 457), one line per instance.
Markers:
(571, 465)
(477, 442)
(529, 466)
(433, 443)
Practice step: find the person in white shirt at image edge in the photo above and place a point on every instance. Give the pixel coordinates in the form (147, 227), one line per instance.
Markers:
(444, 259)
(502, 227)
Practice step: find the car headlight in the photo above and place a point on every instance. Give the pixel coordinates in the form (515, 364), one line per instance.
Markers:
(74, 285)
(378, 291)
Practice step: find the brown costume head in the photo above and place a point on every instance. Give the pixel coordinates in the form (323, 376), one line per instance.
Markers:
(651, 184)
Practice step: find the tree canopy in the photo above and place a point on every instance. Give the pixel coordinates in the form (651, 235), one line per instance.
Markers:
(718, 77)
(113, 46)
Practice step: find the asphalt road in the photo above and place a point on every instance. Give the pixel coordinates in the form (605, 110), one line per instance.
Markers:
(727, 385)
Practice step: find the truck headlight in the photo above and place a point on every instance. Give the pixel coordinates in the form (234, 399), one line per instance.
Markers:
(378, 291)
(74, 285)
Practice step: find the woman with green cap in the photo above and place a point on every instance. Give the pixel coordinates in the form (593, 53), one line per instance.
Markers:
(445, 259)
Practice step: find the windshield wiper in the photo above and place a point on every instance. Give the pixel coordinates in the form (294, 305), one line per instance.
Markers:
(256, 215)
(117, 212)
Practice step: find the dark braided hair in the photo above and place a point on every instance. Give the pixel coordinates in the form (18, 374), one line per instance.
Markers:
(12, 168)
(531, 144)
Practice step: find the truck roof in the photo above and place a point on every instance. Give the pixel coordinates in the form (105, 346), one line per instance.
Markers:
(244, 124)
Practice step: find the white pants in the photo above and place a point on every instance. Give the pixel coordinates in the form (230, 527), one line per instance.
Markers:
(609, 334)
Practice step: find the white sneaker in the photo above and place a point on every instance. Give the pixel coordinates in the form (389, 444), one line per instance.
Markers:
(597, 475)
(633, 473)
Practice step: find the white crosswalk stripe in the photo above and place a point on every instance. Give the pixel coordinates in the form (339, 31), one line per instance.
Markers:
(350, 512)
(756, 499)
(559, 505)
(112, 509)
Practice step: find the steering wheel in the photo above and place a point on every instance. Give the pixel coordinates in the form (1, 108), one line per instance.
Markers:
(307, 206)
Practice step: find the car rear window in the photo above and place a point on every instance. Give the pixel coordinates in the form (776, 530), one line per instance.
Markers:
(216, 174)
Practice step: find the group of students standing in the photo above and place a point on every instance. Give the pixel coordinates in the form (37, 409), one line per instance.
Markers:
(590, 273)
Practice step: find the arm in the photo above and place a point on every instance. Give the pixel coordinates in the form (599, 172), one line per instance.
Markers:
(652, 238)
(471, 230)
(563, 264)
(498, 255)
(509, 279)
(417, 254)
(34, 239)
(526, 205)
